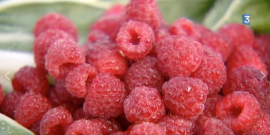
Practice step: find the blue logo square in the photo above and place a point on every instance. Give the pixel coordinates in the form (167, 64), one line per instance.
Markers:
(246, 19)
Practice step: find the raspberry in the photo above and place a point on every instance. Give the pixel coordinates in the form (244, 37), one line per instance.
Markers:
(144, 11)
(83, 127)
(250, 79)
(107, 126)
(208, 51)
(239, 110)
(42, 44)
(80, 114)
(105, 96)
(179, 56)
(61, 54)
(146, 128)
(185, 96)
(1, 95)
(245, 55)
(144, 104)
(175, 125)
(212, 72)
(218, 42)
(212, 126)
(31, 108)
(262, 127)
(55, 121)
(96, 35)
(35, 127)
(115, 9)
(144, 72)
(135, 40)
(238, 33)
(10, 102)
(160, 33)
(29, 79)
(76, 79)
(55, 21)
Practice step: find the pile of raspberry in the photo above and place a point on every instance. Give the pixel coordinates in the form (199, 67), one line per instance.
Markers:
(138, 75)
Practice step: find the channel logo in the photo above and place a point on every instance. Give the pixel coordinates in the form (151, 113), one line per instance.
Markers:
(246, 19)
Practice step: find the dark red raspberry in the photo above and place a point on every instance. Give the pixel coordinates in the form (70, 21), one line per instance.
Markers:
(135, 40)
(175, 125)
(144, 104)
(10, 102)
(83, 127)
(43, 42)
(212, 72)
(115, 9)
(57, 22)
(31, 108)
(250, 79)
(105, 96)
(80, 114)
(2, 96)
(179, 55)
(144, 72)
(245, 55)
(61, 55)
(212, 126)
(146, 128)
(107, 126)
(208, 51)
(144, 11)
(76, 79)
(238, 33)
(29, 79)
(35, 127)
(97, 35)
(262, 127)
(218, 42)
(185, 96)
(55, 121)
(239, 111)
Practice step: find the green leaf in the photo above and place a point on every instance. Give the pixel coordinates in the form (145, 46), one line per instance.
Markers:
(10, 127)
(231, 11)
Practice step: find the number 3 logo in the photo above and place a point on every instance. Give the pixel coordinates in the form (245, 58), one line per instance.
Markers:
(247, 20)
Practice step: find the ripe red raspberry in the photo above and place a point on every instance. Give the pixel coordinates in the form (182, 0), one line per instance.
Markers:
(212, 126)
(239, 110)
(115, 9)
(35, 127)
(238, 33)
(29, 79)
(179, 56)
(245, 55)
(144, 72)
(31, 108)
(43, 42)
(10, 102)
(135, 40)
(61, 54)
(144, 104)
(55, 121)
(80, 114)
(105, 96)
(175, 125)
(185, 96)
(250, 79)
(57, 22)
(218, 42)
(97, 35)
(76, 79)
(212, 72)
(1, 95)
(262, 127)
(107, 126)
(146, 128)
(144, 11)
(83, 127)
(208, 51)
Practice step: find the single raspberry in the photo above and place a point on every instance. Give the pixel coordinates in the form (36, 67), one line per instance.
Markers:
(178, 55)
(115, 9)
(146, 128)
(55, 121)
(245, 55)
(212, 126)
(2, 96)
(212, 72)
(107, 126)
(57, 22)
(80, 114)
(262, 127)
(31, 108)
(105, 96)
(35, 127)
(185, 96)
(76, 79)
(144, 11)
(97, 35)
(175, 125)
(144, 72)
(10, 102)
(239, 111)
(208, 51)
(250, 79)
(218, 42)
(144, 104)
(29, 79)
(135, 40)
(60, 55)
(83, 127)
(238, 33)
